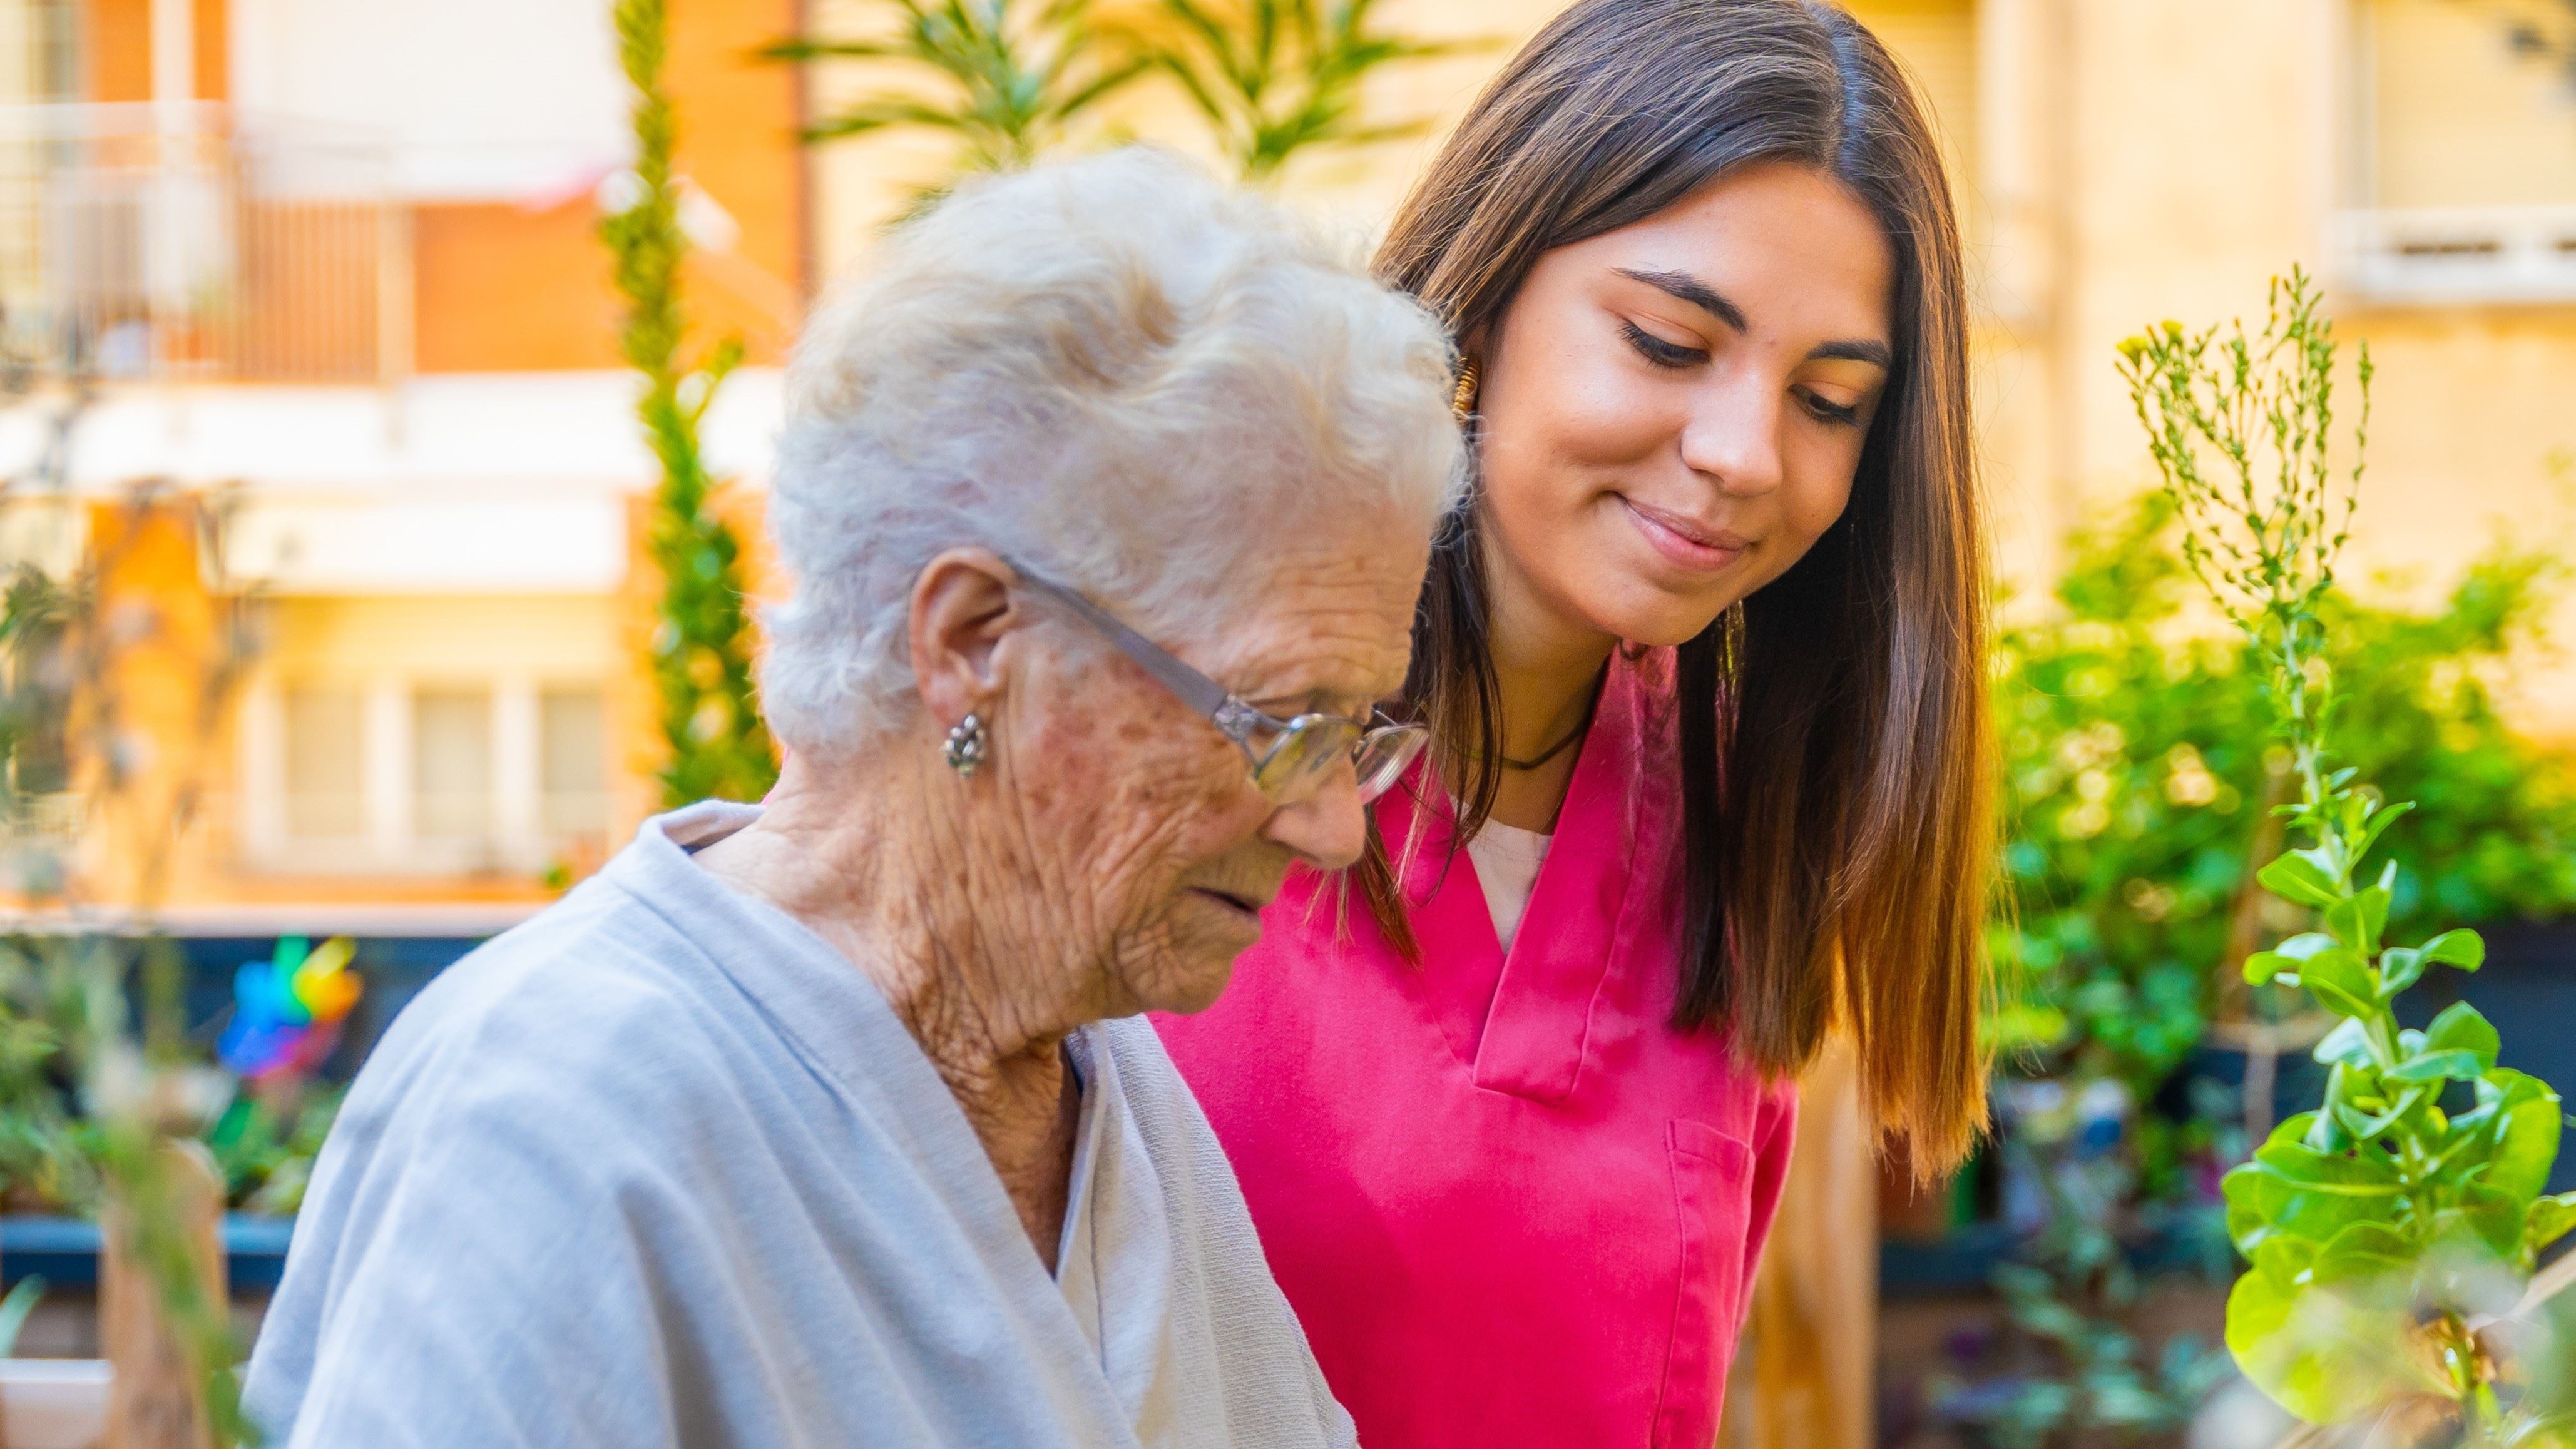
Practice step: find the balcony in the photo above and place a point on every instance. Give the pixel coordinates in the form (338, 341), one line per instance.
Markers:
(2451, 256)
(193, 243)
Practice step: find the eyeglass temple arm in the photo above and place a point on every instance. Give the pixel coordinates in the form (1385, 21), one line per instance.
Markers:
(1194, 689)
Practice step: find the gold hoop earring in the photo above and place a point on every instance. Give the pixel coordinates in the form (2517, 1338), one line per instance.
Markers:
(1462, 399)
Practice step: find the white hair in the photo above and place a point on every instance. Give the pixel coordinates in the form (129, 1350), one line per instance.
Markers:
(1114, 370)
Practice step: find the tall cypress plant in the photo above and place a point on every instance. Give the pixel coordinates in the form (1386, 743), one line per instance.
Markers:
(702, 640)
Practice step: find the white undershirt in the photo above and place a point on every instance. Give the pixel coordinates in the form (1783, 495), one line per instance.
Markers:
(1507, 861)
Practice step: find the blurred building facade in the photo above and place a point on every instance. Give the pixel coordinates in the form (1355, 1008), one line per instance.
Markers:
(328, 272)
(330, 264)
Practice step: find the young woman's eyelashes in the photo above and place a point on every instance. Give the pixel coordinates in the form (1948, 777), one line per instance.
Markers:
(1673, 357)
(1826, 411)
(1661, 353)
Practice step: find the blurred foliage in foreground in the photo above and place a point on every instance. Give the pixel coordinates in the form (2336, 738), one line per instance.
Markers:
(100, 1088)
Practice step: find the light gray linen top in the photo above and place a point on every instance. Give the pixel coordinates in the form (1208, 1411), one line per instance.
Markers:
(660, 1168)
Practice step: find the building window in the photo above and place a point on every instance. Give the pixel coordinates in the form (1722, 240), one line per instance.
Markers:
(451, 773)
(402, 776)
(2464, 175)
(572, 766)
(325, 775)
(2462, 116)
(470, 735)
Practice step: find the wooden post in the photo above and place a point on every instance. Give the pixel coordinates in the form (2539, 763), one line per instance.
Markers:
(153, 1402)
(1804, 1370)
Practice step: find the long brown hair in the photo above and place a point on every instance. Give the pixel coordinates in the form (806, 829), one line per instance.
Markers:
(1835, 773)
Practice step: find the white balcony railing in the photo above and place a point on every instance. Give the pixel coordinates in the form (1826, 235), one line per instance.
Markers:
(162, 242)
(2458, 255)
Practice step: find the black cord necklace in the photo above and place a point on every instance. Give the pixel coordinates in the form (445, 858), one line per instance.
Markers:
(1560, 747)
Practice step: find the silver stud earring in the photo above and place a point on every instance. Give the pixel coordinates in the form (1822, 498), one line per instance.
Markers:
(964, 751)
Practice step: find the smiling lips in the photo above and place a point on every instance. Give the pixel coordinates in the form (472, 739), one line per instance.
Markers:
(1682, 542)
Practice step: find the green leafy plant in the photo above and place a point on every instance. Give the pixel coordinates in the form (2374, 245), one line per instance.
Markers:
(42, 1166)
(265, 1150)
(15, 1308)
(1274, 78)
(2135, 744)
(35, 612)
(1008, 78)
(2137, 759)
(1013, 79)
(2389, 1229)
(702, 643)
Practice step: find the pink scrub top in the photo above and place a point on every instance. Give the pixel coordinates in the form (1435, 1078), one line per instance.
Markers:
(1510, 1204)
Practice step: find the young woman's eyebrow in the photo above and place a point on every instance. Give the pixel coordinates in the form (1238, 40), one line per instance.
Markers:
(1682, 286)
(1876, 353)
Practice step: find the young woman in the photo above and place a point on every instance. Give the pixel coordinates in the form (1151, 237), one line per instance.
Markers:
(1704, 657)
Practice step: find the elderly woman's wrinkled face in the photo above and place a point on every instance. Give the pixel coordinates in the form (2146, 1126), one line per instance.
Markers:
(1153, 850)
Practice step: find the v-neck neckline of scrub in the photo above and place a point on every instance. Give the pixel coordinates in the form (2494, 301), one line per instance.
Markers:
(1519, 1020)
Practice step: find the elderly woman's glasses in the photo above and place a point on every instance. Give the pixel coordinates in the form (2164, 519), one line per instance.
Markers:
(1291, 758)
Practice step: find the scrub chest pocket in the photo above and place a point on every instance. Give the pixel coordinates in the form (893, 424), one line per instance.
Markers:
(1712, 1203)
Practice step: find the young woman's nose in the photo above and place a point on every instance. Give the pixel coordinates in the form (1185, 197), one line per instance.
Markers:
(1733, 438)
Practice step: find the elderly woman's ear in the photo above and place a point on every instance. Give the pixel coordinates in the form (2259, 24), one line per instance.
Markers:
(961, 610)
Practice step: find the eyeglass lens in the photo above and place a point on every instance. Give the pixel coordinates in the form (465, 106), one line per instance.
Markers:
(1302, 758)
(1311, 751)
(1382, 758)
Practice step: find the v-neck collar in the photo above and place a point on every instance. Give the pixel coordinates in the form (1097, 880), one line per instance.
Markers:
(1522, 1021)
(840, 1024)
(1116, 1278)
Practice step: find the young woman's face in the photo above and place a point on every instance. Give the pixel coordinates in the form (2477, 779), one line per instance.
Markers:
(1672, 412)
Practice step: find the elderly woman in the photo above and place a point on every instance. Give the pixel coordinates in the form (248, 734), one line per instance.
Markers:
(832, 1120)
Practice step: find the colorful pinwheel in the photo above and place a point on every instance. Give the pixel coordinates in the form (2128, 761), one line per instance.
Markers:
(287, 1011)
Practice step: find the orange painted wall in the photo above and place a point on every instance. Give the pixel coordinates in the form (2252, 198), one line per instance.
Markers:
(118, 47)
(738, 123)
(214, 68)
(504, 288)
(116, 41)
(159, 697)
